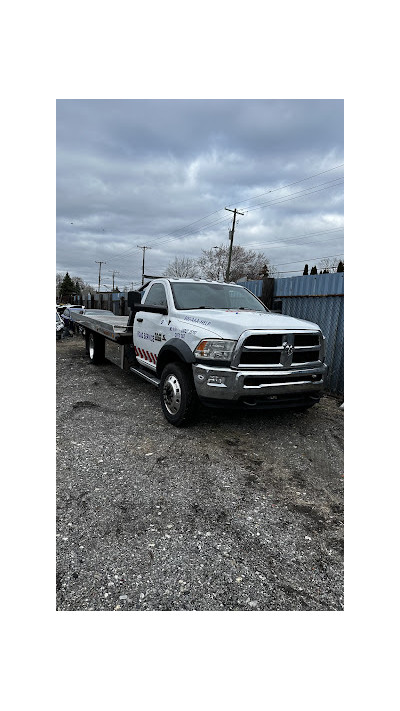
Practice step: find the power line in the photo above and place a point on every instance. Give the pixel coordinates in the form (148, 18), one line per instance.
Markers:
(171, 239)
(293, 239)
(223, 220)
(295, 183)
(298, 261)
(277, 244)
(164, 239)
(278, 264)
(302, 193)
(257, 246)
(294, 196)
(292, 271)
(308, 190)
(309, 259)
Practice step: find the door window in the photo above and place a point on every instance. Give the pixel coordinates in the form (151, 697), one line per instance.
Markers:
(156, 296)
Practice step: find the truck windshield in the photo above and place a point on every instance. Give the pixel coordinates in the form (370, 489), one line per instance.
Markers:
(189, 295)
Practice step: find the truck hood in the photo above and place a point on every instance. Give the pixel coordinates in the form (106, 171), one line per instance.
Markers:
(227, 323)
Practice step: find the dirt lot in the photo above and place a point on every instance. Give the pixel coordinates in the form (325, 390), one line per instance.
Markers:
(240, 511)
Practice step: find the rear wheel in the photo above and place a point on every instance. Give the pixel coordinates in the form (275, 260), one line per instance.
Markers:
(178, 395)
(95, 348)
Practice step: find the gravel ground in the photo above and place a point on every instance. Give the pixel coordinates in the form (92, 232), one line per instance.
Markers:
(240, 511)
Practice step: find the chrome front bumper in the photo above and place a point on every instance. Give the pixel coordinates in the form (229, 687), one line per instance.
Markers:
(217, 383)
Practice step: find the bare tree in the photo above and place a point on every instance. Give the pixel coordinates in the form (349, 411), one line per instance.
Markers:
(59, 281)
(245, 263)
(85, 287)
(182, 268)
(328, 265)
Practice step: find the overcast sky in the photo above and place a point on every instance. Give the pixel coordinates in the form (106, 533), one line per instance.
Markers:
(161, 173)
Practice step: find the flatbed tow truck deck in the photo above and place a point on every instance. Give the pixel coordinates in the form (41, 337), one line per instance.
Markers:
(107, 324)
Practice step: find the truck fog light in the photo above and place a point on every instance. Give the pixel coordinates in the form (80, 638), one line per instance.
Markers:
(215, 380)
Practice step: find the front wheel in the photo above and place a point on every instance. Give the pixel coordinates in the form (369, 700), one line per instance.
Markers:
(178, 395)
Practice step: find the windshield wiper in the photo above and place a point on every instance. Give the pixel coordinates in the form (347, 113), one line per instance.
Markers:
(244, 308)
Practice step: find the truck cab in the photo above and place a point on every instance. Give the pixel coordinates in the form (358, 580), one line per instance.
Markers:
(217, 343)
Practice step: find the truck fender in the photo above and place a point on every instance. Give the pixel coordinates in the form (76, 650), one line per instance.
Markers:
(174, 350)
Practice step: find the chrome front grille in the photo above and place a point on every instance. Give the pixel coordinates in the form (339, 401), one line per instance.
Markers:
(259, 350)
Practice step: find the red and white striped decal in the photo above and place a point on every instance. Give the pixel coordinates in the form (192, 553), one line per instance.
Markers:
(146, 355)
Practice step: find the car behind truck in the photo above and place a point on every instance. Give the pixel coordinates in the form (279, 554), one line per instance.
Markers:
(212, 342)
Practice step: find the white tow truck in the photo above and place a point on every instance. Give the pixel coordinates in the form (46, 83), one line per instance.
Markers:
(212, 342)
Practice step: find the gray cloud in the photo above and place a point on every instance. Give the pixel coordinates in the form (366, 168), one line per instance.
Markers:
(132, 172)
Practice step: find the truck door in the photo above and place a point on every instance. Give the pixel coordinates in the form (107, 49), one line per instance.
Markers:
(149, 331)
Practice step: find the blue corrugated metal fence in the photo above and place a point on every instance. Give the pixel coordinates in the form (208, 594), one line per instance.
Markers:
(318, 298)
(255, 286)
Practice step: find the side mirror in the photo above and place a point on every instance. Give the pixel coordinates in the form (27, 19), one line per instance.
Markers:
(277, 306)
(134, 299)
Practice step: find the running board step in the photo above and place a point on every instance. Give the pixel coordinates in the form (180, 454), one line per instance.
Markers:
(146, 376)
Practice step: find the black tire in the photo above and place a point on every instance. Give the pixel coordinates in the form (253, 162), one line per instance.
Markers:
(95, 347)
(178, 395)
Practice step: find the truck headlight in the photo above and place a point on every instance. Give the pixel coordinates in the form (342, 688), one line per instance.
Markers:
(215, 349)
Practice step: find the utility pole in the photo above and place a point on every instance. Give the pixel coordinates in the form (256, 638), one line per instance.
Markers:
(113, 274)
(231, 233)
(144, 250)
(100, 263)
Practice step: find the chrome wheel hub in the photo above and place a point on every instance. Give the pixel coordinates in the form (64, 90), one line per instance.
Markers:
(172, 394)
